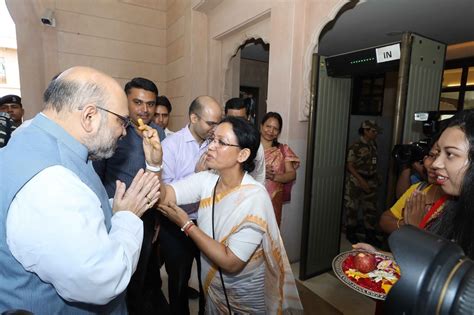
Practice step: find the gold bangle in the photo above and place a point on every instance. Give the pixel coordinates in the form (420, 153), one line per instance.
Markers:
(398, 222)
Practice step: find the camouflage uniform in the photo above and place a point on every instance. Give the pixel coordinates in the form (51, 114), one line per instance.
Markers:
(6, 128)
(363, 156)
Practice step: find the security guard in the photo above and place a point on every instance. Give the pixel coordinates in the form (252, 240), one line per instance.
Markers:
(361, 183)
(11, 104)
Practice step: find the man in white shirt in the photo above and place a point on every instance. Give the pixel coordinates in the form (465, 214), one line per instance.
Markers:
(181, 152)
(63, 247)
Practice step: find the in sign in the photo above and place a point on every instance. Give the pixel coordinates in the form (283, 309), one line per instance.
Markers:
(388, 53)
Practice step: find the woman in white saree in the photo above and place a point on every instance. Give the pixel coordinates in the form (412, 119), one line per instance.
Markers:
(244, 263)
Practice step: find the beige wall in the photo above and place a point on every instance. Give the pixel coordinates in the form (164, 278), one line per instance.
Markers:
(124, 38)
(176, 61)
(186, 70)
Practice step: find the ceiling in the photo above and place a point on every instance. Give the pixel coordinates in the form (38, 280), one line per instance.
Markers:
(363, 24)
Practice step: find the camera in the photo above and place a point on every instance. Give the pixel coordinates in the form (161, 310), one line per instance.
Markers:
(48, 18)
(436, 276)
(406, 154)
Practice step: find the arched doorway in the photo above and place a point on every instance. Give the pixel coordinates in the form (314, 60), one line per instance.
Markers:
(247, 76)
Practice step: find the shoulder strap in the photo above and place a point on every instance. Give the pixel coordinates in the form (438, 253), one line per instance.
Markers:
(422, 186)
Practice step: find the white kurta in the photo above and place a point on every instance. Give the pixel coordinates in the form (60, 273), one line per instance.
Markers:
(55, 228)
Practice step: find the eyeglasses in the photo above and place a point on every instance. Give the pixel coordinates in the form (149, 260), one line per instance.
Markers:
(125, 120)
(219, 143)
(209, 123)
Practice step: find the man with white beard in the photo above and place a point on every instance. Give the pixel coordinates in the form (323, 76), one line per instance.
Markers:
(65, 248)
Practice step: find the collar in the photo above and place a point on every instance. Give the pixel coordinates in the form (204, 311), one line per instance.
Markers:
(188, 137)
(50, 127)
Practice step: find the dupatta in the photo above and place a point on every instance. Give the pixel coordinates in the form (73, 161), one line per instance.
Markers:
(249, 206)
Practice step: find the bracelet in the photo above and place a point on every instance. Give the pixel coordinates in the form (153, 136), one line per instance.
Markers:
(154, 169)
(186, 225)
(186, 230)
(398, 222)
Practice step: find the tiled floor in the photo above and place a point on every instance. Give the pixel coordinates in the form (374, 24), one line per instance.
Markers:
(333, 291)
(326, 286)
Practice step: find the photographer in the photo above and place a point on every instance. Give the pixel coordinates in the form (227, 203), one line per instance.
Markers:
(409, 158)
(410, 174)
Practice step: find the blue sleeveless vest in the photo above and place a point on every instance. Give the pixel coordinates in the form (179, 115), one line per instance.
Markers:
(40, 145)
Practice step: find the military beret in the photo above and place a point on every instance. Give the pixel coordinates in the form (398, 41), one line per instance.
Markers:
(10, 99)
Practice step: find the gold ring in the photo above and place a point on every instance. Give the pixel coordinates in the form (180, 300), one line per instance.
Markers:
(148, 198)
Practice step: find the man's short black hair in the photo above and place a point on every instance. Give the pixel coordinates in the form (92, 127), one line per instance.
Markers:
(236, 103)
(164, 101)
(141, 83)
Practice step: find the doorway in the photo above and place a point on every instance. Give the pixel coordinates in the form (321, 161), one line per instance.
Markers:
(247, 76)
(364, 99)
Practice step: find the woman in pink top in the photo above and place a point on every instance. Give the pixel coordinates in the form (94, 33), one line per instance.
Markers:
(280, 162)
